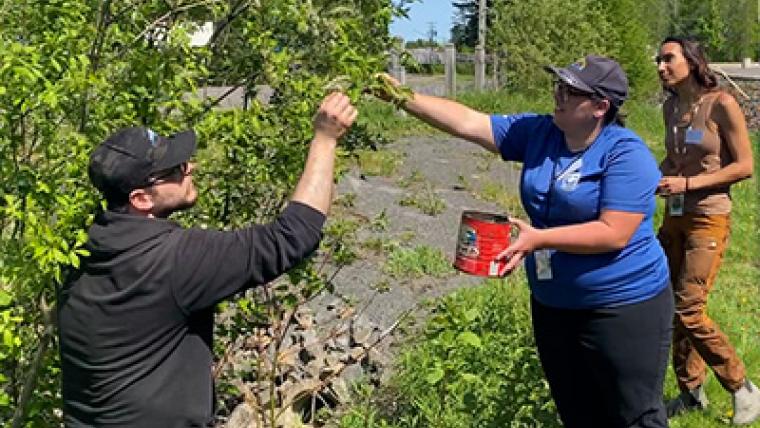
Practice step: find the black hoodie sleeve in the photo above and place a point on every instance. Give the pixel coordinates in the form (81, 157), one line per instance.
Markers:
(211, 265)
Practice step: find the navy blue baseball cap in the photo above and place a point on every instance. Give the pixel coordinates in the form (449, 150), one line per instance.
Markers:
(596, 75)
(131, 156)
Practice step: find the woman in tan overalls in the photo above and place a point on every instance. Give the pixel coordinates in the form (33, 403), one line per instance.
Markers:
(708, 149)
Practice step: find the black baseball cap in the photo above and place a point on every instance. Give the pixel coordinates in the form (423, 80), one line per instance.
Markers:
(127, 159)
(596, 75)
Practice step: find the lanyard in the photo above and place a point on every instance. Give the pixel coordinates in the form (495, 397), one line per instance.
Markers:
(694, 110)
(556, 176)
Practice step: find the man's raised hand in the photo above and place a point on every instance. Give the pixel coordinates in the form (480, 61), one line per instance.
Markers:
(335, 115)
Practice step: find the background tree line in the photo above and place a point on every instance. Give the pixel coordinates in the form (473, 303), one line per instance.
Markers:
(625, 29)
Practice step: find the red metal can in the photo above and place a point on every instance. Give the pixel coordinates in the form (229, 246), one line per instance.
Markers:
(482, 236)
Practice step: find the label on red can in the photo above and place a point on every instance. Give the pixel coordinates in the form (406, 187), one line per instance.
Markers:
(482, 237)
(468, 242)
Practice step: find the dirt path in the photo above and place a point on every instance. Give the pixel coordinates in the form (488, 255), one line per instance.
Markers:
(455, 171)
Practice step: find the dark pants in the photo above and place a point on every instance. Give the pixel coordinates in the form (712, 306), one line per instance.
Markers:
(606, 367)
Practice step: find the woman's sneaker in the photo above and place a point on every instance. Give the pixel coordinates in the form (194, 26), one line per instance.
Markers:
(696, 399)
(746, 404)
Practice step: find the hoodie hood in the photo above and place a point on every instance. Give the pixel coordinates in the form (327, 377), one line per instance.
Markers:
(113, 234)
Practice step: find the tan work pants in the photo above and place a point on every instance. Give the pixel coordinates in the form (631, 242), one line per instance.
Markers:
(694, 245)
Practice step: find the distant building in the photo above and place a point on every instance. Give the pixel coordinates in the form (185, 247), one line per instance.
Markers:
(202, 36)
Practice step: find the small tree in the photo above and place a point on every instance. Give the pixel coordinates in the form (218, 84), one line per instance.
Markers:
(71, 71)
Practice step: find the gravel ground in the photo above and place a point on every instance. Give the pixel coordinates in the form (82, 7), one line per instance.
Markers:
(443, 164)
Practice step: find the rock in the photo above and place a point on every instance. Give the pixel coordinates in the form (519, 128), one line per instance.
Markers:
(342, 342)
(314, 368)
(305, 318)
(352, 373)
(341, 390)
(288, 358)
(298, 396)
(243, 417)
(308, 338)
(361, 335)
(333, 366)
(353, 355)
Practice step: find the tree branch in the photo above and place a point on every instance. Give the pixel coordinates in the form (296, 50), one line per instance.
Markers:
(34, 370)
(163, 18)
(235, 11)
(94, 57)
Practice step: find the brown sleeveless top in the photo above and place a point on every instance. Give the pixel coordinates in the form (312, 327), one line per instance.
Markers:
(693, 156)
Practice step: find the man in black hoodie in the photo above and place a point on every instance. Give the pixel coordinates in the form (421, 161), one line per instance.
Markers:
(136, 320)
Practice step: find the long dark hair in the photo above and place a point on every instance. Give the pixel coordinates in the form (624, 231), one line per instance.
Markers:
(615, 116)
(695, 56)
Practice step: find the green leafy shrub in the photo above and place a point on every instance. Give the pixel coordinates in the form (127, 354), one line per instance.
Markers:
(75, 70)
(473, 365)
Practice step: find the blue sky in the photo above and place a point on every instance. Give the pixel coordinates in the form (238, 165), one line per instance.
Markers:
(421, 15)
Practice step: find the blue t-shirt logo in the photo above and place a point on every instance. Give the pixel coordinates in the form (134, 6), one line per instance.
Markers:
(569, 179)
(570, 182)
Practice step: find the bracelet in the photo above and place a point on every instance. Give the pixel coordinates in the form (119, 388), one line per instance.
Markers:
(687, 184)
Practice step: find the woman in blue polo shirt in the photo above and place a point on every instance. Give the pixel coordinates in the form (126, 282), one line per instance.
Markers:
(601, 302)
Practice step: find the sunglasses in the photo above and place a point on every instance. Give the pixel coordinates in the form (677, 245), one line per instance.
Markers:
(174, 174)
(565, 91)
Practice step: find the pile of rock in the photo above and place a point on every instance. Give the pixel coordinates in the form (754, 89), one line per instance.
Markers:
(751, 105)
(312, 367)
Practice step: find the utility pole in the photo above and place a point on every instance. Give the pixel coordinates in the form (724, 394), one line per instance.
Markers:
(480, 50)
(432, 33)
(482, 14)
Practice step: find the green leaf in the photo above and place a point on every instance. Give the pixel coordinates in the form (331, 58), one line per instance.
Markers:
(74, 260)
(469, 377)
(59, 257)
(469, 338)
(5, 298)
(471, 315)
(24, 72)
(8, 338)
(435, 375)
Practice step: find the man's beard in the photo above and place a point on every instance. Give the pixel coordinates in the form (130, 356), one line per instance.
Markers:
(182, 205)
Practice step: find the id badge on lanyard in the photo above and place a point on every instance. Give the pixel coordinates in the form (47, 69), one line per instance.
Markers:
(543, 257)
(675, 204)
(694, 136)
(543, 264)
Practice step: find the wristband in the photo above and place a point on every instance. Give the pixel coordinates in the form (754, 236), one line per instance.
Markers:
(687, 184)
